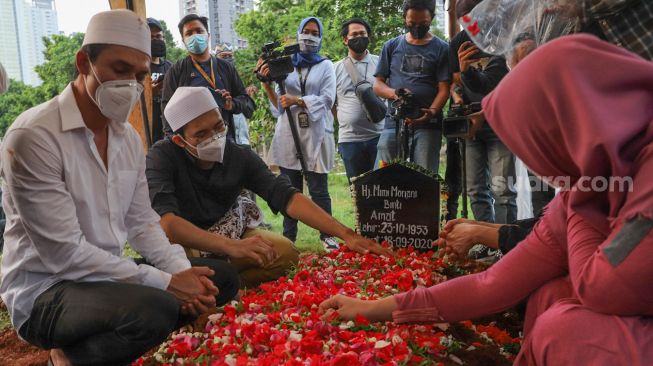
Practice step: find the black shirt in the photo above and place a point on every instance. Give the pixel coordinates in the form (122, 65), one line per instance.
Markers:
(511, 235)
(158, 72)
(184, 73)
(202, 197)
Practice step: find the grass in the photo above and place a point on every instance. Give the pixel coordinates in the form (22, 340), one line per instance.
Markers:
(308, 239)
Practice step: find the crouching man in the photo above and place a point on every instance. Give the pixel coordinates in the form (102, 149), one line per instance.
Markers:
(196, 179)
(75, 192)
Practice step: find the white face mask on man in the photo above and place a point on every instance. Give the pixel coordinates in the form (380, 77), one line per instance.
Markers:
(115, 98)
(211, 149)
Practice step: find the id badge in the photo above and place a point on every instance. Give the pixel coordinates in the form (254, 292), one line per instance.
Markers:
(302, 119)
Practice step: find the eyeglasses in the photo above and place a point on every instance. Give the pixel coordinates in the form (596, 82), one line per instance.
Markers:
(216, 133)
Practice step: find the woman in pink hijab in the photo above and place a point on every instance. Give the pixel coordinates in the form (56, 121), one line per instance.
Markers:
(581, 110)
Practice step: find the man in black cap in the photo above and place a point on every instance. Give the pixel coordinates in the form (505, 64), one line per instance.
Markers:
(158, 68)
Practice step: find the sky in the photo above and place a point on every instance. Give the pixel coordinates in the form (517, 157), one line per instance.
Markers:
(73, 15)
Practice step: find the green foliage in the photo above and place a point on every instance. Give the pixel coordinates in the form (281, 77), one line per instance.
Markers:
(57, 71)
(173, 53)
(59, 67)
(19, 98)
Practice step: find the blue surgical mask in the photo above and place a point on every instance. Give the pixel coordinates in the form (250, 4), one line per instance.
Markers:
(197, 43)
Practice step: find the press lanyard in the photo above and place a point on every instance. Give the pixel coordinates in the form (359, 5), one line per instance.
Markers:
(302, 82)
(210, 80)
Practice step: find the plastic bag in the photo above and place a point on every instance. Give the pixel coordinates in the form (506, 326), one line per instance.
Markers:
(498, 26)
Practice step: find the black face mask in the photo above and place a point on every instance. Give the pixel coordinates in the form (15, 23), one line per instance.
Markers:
(358, 44)
(418, 31)
(158, 48)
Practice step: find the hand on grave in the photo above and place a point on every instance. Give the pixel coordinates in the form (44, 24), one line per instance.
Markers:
(348, 308)
(364, 245)
(458, 238)
(255, 248)
(194, 290)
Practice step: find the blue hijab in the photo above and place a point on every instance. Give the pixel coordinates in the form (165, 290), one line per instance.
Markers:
(308, 59)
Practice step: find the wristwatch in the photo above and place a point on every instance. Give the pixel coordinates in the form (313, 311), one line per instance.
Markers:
(300, 102)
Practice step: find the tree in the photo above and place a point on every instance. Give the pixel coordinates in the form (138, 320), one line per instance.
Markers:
(18, 98)
(57, 71)
(59, 67)
(173, 53)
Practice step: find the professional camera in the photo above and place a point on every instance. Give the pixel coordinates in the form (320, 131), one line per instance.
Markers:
(278, 60)
(406, 106)
(457, 124)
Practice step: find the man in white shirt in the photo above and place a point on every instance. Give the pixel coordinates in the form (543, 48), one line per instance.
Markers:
(75, 192)
(357, 135)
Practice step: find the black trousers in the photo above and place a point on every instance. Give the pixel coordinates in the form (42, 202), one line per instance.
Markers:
(453, 176)
(113, 323)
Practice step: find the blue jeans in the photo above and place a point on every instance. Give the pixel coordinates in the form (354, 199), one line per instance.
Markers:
(359, 157)
(491, 178)
(318, 188)
(425, 147)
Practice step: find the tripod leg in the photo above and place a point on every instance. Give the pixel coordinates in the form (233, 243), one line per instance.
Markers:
(463, 155)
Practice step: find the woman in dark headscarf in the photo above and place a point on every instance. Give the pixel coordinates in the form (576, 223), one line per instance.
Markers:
(310, 94)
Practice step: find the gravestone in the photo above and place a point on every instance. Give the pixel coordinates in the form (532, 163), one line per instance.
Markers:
(398, 204)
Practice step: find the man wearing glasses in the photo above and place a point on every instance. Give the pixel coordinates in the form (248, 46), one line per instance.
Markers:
(196, 179)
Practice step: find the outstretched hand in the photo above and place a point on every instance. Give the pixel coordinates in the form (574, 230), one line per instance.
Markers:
(364, 245)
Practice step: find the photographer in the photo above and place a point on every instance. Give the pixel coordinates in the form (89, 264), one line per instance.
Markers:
(310, 93)
(490, 165)
(159, 66)
(416, 61)
(358, 136)
(201, 68)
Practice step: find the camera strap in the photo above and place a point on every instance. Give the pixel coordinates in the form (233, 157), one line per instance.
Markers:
(303, 80)
(210, 80)
(354, 74)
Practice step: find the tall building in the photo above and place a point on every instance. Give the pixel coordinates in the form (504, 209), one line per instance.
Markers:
(25, 23)
(9, 48)
(222, 16)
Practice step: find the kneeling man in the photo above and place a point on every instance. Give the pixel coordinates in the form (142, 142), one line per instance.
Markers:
(196, 179)
(74, 193)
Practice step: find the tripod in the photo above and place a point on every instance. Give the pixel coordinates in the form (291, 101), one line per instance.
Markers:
(463, 157)
(293, 130)
(403, 134)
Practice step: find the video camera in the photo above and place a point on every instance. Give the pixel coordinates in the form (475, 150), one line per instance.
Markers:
(406, 106)
(278, 60)
(457, 124)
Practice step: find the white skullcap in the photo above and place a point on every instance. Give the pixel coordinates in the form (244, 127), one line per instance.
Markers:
(188, 103)
(120, 27)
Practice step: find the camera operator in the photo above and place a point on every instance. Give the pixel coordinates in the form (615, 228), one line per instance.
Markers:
(493, 200)
(416, 61)
(159, 66)
(201, 68)
(358, 135)
(310, 94)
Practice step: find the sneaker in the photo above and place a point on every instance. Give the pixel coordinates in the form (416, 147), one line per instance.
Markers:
(330, 244)
(482, 253)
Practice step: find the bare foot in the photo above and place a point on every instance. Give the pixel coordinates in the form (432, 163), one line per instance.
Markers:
(59, 358)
